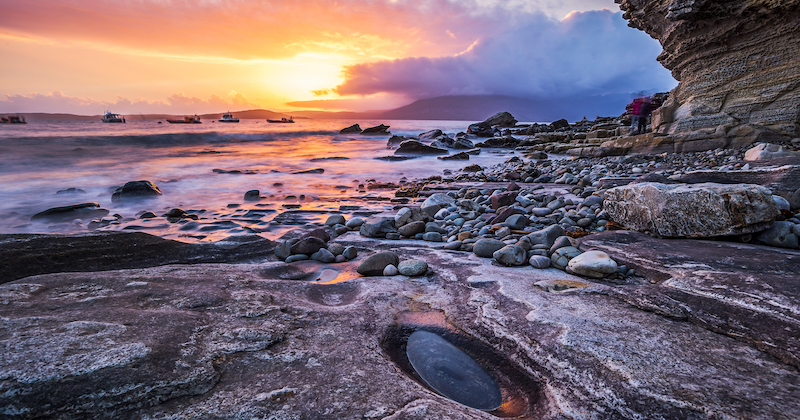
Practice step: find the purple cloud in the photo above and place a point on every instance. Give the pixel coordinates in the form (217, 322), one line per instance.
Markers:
(587, 53)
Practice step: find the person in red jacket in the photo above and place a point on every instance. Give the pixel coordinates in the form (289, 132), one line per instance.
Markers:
(634, 110)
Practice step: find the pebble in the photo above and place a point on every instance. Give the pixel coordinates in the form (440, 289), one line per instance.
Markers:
(390, 270)
(561, 257)
(596, 264)
(539, 261)
(412, 268)
(510, 255)
(486, 247)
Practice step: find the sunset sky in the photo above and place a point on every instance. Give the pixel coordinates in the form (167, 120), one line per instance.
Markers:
(178, 56)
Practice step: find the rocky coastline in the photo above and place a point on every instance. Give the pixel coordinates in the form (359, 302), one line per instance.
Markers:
(537, 269)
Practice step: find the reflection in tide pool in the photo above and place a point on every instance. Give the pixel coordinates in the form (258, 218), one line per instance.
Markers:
(451, 372)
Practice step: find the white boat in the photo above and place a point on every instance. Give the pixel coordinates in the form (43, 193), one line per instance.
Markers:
(228, 118)
(113, 118)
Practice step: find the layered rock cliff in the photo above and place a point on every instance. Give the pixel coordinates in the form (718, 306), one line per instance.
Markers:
(737, 63)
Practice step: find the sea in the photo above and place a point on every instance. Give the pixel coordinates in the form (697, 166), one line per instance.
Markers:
(205, 169)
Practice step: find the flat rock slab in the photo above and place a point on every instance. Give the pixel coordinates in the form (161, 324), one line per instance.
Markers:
(243, 341)
(749, 292)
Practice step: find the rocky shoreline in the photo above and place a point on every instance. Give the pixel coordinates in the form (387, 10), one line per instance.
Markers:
(526, 267)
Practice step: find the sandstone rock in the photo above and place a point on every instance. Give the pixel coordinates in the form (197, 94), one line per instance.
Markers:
(135, 189)
(780, 179)
(706, 46)
(486, 247)
(697, 210)
(435, 202)
(595, 264)
(766, 151)
(412, 268)
(353, 129)
(71, 212)
(375, 263)
(414, 147)
(510, 255)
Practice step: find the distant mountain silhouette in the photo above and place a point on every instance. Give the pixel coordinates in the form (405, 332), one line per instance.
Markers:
(478, 108)
(459, 108)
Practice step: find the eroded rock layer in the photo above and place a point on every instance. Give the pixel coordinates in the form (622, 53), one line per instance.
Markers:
(737, 63)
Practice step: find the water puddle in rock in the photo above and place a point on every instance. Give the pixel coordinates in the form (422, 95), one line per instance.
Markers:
(451, 372)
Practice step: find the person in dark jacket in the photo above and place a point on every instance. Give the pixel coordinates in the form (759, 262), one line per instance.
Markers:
(644, 112)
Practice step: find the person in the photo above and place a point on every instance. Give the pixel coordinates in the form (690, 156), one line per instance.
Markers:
(635, 114)
(644, 112)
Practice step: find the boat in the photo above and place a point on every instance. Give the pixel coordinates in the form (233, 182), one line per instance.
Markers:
(282, 120)
(13, 119)
(186, 120)
(113, 118)
(228, 118)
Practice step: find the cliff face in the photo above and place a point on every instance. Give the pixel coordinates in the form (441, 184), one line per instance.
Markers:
(737, 63)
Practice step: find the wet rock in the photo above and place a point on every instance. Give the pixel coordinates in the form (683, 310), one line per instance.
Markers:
(561, 257)
(377, 130)
(432, 237)
(307, 246)
(353, 129)
(136, 189)
(284, 249)
(410, 214)
(510, 255)
(336, 219)
(503, 199)
(354, 222)
(455, 156)
(517, 221)
(595, 264)
(412, 268)
(72, 190)
(253, 195)
(431, 135)
(323, 255)
(350, 253)
(486, 247)
(375, 263)
(71, 212)
(414, 147)
(310, 171)
(697, 210)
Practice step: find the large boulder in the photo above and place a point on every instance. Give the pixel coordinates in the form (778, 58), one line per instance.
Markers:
(353, 129)
(436, 202)
(136, 189)
(767, 151)
(782, 179)
(737, 63)
(414, 147)
(378, 129)
(698, 210)
(501, 119)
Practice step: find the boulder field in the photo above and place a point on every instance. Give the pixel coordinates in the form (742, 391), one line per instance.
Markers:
(706, 329)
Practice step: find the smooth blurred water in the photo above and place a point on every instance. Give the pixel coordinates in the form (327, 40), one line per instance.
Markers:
(43, 157)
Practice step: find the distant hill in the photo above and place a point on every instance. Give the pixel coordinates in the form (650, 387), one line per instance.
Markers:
(478, 108)
(457, 108)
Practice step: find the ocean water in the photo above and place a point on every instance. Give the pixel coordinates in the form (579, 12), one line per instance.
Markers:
(192, 165)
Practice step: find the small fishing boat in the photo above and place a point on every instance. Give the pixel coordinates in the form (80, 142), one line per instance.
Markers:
(112, 118)
(13, 119)
(228, 118)
(186, 120)
(282, 120)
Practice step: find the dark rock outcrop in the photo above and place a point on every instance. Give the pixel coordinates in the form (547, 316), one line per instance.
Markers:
(738, 64)
(378, 129)
(353, 129)
(71, 212)
(136, 189)
(414, 147)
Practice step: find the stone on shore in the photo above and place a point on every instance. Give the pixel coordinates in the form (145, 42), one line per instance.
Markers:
(136, 189)
(766, 151)
(510, 255)
(562, 256)
(486, 247)
(781, 234)
(436, 202)
(412, 268)
(375, 263)
(378, 228)
(71, 212)
(414, 147)
(697, 210)
(378, 129)
(595, 264)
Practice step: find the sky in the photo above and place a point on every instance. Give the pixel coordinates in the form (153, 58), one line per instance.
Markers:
(179, 56)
